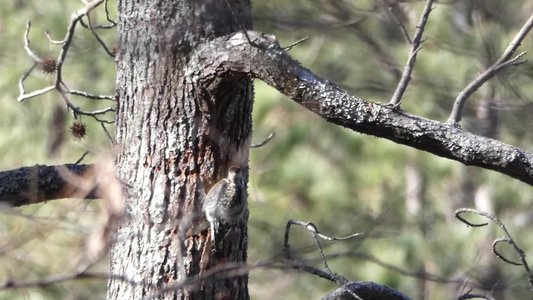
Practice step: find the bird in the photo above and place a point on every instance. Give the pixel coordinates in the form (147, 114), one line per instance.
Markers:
(224, 204)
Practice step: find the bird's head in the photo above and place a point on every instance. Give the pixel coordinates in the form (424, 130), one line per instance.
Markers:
(234, 171)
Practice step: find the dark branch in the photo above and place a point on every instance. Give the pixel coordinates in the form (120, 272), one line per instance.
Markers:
(40, 183)
(233, 54)
(365, 290)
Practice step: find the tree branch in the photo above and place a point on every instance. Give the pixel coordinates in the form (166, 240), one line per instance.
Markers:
(504, 61)
(267, 61)
(411, 59)
(365, 290)
(40, 183)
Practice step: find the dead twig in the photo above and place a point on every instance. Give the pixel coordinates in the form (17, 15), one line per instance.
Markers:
(316, 235)
(410, 64)
(56, 66)
(290, 46)
(508, 239)
(261, 144)
(503, 62)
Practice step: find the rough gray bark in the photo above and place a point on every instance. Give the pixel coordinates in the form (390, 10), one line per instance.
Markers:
(175, 138)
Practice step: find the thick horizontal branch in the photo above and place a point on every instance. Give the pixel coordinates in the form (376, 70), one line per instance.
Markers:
(266, 60)
(40, 183)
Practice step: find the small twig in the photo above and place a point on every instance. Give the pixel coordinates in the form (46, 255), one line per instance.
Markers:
(507, 239)
(261, 144)
(30, 52)
(36, 93)
(468, 210)
(316, 235)
(90, 96)
(102, 124)
(75, 17)
(77, 111)
(290, 46)
(311, 270)
(106, 8)
(240, 25)
(52, 41)
(497, 253)
(81, 158)
(403, 30)
(409, 66)
(504, 61)
(95, 113)
(98, 39)
(66, 42)
(23, 78)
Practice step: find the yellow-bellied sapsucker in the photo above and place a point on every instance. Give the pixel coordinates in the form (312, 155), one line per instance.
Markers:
(224, 204)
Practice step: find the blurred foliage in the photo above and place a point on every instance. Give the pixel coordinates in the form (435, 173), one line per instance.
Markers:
(342, 181)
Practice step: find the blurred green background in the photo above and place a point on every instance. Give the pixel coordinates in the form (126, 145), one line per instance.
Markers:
(342, 181)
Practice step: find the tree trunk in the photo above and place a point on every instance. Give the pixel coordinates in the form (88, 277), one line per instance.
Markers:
(176, 136)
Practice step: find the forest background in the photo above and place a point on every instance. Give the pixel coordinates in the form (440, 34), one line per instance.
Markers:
(342, 181)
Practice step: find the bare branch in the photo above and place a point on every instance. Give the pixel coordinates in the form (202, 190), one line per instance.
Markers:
(57, 65)
(66, 42)
(23, 78)
(409, 66)
(289, 47)
(274, 66)
(261, 144)
(111, 24)
(52, 41)
(91, 27)
(349, 289)
(402, 28)
(316, 235)
(77, 111)
(82, 157)
(90, 96)
(508, 239)
(36, 93)
(109, 137)
(30, 52)
(497, 252)
(106, 6)
(40, 183)
(504, 61)
(76, 16)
